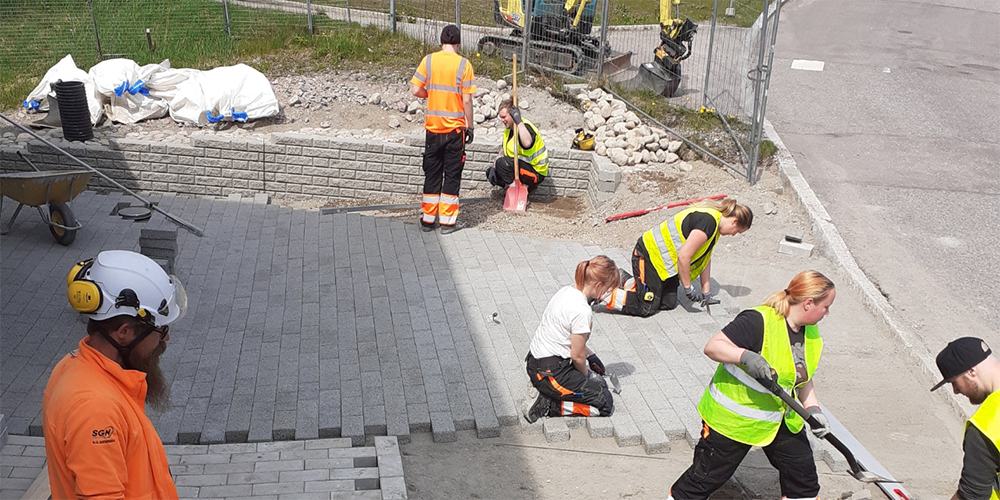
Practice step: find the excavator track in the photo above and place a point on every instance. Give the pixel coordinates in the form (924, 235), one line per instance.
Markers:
(557, 56)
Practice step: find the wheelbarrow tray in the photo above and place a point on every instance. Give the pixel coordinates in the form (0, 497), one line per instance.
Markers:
(40, 188)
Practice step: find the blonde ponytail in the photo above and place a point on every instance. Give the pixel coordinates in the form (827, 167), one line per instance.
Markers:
(805, 285)
(729, 208)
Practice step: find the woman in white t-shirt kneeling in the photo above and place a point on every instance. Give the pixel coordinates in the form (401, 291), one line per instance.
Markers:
(565, 371)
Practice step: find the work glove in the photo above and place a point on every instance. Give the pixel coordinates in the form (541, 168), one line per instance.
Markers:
(694, 294)
(515, 114)
(819, 424)
(596, 364)
(756, 365)
(468, 136)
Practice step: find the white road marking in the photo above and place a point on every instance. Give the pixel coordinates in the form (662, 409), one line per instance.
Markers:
(807, 65)
(949, 241)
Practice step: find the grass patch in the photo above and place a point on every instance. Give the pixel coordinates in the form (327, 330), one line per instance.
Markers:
(191, 34)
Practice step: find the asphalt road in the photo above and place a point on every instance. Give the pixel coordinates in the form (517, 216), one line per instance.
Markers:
(898, 136)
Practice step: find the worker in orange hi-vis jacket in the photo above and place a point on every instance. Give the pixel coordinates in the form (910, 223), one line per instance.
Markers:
(445, 79)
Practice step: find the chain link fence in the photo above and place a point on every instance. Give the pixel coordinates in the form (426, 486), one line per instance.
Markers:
(723, 67)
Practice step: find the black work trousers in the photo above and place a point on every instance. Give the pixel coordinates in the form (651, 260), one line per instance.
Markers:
(502, 173)
(557, 379)
(716, 458)
(650, 294)
(444, 160)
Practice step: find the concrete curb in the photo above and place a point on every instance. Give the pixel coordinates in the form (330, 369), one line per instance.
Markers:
(831, 244)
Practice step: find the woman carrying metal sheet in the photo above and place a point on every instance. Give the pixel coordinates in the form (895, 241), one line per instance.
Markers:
(777, 339)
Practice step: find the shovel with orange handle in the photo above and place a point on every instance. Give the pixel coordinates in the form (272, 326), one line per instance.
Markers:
(516, 198)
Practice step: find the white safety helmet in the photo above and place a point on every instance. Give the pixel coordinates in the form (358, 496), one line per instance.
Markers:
(119, 282)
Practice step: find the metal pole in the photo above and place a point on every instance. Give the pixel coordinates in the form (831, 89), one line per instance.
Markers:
(348, 2)
(225, 13)
(758, 84)
(392, 16)
(526, 34)
(711, 44)
(309, 15)
(767, 84)
(604, 37)
(97, 39)
(458, 15)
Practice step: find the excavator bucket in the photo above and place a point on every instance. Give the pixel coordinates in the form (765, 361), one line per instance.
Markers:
(617, 63)
(652, 76)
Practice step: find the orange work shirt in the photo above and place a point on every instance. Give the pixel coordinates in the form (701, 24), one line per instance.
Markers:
(446, 76)
(98, 440)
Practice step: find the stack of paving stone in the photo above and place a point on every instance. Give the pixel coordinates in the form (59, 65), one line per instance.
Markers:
(320, 469)
(160, 244)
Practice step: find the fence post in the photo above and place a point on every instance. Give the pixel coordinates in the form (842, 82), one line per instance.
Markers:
(526, 34)
(309, 15)
(767, 84)
(97, 38)
(458, 15)
(755, 118)
(348, 2)
(225, 14)
(392, 16)
(605, 22)
(711, 45)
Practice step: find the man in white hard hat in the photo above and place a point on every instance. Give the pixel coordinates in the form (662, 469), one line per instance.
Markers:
(98, 440)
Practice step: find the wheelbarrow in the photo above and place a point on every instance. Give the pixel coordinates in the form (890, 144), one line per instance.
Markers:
(51, 190)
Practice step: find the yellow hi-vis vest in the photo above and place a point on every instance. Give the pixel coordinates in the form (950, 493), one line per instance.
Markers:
(742, 409)
(663, 241)
(987, 420)
(536, 155)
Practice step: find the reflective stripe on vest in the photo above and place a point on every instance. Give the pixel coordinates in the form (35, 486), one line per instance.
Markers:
(445, 106)
(742, 409)
(536, 156)
(987, 420)
(664, 241)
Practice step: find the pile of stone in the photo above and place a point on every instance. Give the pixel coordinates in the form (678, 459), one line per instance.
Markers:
(621, 136)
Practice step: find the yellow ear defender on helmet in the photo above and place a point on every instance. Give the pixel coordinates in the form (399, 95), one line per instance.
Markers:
(84, 295)
(584, 140)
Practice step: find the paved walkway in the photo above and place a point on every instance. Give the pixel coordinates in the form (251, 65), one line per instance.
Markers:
(319, 469)
(304, 326)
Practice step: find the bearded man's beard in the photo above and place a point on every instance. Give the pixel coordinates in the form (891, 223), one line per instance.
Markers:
(157, 390)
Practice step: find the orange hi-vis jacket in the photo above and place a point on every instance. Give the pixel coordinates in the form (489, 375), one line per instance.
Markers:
(446, 76)
(98, 440)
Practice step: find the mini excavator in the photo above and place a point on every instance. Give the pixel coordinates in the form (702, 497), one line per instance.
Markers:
(560, 34)
(561, 40)
(663, 75)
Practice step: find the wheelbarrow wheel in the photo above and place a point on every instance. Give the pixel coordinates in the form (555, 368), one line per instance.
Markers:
(60, 213)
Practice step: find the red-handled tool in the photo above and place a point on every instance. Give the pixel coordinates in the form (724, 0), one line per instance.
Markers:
(636, 213)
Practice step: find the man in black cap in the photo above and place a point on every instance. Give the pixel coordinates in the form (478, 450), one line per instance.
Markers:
(445, 79)
(967, 365)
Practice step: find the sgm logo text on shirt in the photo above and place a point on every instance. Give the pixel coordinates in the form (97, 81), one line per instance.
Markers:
(103, 436)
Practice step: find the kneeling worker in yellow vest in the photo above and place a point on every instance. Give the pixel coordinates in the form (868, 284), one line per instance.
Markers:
(738, 412)
(675, 252)
(533, 159)
(967, 365)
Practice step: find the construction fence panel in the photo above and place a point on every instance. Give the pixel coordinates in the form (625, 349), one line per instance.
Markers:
(725, 72)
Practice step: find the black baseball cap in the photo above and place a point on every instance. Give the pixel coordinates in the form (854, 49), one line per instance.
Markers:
(960, 356)
(451, 35)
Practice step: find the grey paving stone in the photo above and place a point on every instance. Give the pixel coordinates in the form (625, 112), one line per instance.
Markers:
(555, 430)
(443, 427)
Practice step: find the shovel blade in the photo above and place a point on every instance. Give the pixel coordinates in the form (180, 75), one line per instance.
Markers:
(869, 477)
(516, 198)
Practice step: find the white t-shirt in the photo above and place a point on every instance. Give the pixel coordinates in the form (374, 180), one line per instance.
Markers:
(566, 314)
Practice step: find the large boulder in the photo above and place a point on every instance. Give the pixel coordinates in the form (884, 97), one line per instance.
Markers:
(618, 156)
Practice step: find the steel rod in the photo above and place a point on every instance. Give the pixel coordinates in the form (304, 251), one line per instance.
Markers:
(711, 45)
(172, 218)
(604, 37)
